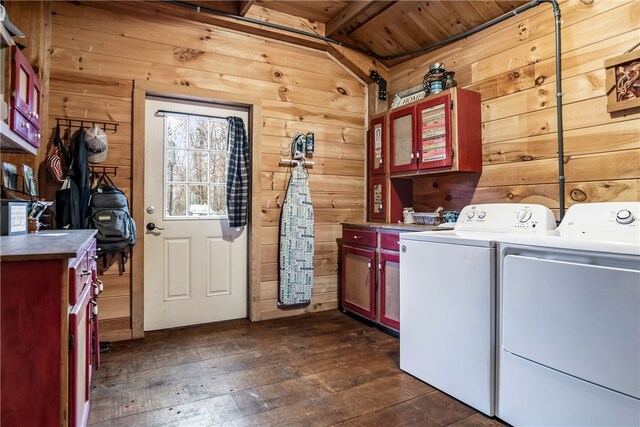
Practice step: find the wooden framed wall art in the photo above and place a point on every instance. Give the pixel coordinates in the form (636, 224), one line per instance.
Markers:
(623, 81)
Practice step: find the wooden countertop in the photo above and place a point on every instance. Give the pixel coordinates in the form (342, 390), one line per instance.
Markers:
(396, 227)
(51, 244)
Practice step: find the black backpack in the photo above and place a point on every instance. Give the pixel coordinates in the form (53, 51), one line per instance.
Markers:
(109, 214)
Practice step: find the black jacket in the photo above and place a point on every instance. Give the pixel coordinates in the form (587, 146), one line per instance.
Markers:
(73, 203)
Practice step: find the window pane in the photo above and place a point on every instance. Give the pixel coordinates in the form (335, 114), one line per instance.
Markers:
(176, 131)
(198, 200)
(198, 166)
(22, 84)
(36, 97)
(176, 200)
(176, 165)
(219, 135)
(198, 132)
(218, 168)
(218, 200)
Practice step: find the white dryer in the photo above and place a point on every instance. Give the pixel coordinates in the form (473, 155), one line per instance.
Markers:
(569, 321)
(447, 299)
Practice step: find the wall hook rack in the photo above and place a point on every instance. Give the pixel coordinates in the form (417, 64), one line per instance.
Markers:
(104, 170)
(288, 162)
(78, 123)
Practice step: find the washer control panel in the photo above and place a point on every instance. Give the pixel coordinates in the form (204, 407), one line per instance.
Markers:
(612, 217)
(506, 217)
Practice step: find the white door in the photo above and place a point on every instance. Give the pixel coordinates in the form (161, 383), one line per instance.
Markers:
(195, 265)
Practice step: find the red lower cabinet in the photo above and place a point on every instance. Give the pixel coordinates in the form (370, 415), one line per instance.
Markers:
(49, 336)
(371, 289)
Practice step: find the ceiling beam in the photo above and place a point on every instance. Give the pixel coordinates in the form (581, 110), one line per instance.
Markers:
(350, 11)
(244, 6)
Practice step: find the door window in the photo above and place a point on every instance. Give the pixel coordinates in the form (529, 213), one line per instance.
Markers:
(195, 179)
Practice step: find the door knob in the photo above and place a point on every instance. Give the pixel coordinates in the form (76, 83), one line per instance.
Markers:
(151, 226)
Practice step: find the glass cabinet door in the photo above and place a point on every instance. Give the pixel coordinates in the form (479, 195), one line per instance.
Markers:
(21, 83)
(377, 145)
(377, 199)
(434, 133)
(402, 132)
(389, 268)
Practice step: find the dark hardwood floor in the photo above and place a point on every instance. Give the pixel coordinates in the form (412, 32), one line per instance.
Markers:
(316, 370)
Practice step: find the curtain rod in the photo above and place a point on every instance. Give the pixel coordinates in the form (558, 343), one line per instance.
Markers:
(190, 114)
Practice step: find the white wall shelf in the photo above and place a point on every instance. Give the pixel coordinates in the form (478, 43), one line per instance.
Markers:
(12, 142)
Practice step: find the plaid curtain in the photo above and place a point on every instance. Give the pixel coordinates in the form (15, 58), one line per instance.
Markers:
(237, 173)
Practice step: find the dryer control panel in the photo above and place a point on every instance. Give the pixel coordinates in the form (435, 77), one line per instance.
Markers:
(506, 217)
(611, 217)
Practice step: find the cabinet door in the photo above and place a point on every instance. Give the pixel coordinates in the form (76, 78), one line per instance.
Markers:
(21, 83)
(377, 145)
(95, 329)
(359, 281)
(434, 133)
(390, 289)
(377, 198)
(80, 358)
(36, 100)
(402, 136)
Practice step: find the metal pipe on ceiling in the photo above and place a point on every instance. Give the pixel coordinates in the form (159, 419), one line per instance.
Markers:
(501, 18)
(271, 25)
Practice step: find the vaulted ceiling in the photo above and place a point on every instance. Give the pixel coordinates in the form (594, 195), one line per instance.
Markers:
(383, 27)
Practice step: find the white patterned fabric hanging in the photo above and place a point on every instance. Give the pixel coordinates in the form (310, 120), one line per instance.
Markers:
(296, 243)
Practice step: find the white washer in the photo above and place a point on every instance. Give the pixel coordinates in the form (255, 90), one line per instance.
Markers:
(569, 336)
(447, 299)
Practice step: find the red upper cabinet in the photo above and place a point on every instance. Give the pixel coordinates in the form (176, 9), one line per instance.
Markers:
(378, 145)
(26, 94)
(444, 135)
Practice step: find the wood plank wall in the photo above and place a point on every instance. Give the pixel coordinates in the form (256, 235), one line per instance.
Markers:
(97, 52)
(513, 66)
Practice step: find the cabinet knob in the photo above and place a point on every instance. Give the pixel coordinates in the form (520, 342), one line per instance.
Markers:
(94, 303)
(38, 136)
(98, 286)
(357, 237)
(25, 125)
(85, 273)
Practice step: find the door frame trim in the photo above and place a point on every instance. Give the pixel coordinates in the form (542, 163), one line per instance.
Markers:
(144, 88)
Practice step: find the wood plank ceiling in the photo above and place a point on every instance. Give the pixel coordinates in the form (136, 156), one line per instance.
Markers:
(385, 27)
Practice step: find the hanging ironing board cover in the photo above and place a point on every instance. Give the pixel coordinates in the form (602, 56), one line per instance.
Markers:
(296, 243)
